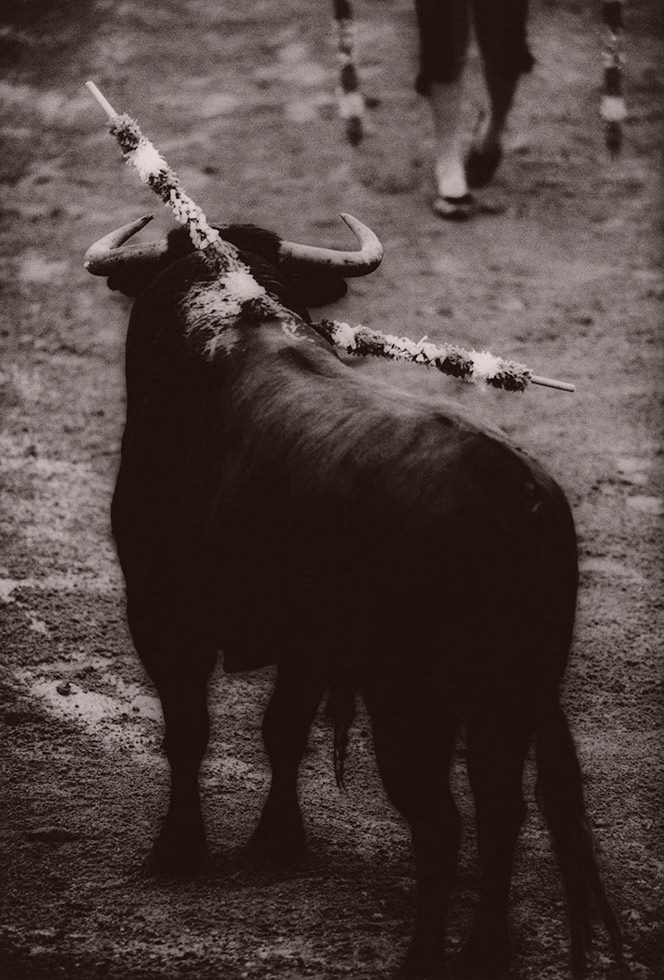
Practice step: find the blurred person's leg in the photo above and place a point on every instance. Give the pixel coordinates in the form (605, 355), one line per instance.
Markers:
(444, 27)
(500, 28)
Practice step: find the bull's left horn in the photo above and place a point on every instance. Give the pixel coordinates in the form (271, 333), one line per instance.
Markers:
(359, 263)
(107, 256)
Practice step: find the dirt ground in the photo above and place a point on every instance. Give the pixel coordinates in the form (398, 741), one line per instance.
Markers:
(561, 271)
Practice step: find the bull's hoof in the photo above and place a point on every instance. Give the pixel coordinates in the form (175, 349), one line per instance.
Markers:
(420, 965)
(438, 974)
(176, 856)
(407, 972)
(480, 962)
(283, 843)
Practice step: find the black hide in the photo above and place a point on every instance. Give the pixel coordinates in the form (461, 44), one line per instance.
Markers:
(279, 506)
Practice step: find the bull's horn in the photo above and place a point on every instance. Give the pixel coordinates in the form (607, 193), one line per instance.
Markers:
(106, 256)
(360, 263)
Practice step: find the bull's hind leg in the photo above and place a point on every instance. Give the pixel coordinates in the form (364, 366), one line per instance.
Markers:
(413, 750)
(288, 717)
(180, 669)
(496, 755)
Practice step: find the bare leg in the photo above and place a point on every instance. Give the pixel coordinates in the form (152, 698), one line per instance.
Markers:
(496, 756)
(413, 750)
(444, 27)
(446, 108)
(286, 724)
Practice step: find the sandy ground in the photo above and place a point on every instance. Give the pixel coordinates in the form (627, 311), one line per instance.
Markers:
(562, 272)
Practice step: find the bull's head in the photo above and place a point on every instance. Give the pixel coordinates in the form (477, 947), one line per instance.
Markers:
(131, 267)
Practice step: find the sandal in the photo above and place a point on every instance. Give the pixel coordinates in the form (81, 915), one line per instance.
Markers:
(455, 208)
(481, 165)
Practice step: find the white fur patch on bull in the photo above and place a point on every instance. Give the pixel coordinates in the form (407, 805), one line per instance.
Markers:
(295, 328)
(241, 284)
(209, 305)
(211, 309)
(222, 342)
(210, 312)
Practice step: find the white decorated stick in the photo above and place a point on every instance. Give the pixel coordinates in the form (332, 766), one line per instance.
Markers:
(102, 100)
(537, 379)
(476, 367)
(155, 171)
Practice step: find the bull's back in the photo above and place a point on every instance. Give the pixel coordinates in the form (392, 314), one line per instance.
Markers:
(391, 510)
(308, 502)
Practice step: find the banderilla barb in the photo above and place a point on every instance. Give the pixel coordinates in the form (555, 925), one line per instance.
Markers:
(471, 366)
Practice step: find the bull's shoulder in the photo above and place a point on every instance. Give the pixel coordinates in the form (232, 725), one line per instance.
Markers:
(192, 323)
(192, 302)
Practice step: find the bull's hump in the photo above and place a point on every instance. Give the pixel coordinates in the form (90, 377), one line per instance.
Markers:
(210, 311)
(218, 314)
(300, 381)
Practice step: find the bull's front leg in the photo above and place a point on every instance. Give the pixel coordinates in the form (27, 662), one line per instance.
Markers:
(298, 691)
(179, 663)
(181, 844)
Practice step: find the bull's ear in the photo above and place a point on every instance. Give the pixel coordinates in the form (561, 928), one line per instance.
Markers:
(130, 268)
(131, 279)
(318, 287)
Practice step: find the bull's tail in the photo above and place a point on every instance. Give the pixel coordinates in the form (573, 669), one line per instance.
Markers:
(560, 796)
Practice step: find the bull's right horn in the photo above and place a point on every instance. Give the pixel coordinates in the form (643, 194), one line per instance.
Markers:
(109, 254)
(359, 263)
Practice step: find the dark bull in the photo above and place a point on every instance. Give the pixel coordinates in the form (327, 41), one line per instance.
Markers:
(274, 503)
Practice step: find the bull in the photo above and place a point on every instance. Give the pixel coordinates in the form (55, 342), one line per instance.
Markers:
(275, 504)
